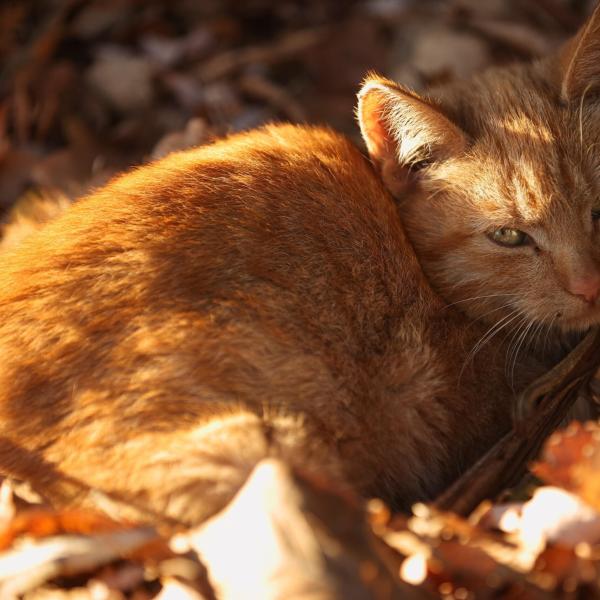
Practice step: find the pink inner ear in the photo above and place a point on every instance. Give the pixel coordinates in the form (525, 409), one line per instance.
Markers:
(376, 135)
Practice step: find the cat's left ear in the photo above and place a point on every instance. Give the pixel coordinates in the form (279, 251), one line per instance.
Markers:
(403, 131)
(580, 61)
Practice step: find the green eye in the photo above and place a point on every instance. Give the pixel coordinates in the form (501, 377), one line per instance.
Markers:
(505, 236)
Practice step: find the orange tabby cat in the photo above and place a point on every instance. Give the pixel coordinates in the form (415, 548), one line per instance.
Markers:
(259, 297)
(254, 297)
(504, 177)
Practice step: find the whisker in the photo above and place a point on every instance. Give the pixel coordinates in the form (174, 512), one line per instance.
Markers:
(520, 346)
(538, 332)
(492, 331)
(514, 340)
(550, 324)
(591, 147)
(477, 298)
(489, 312)
(487, 336)
(585, 91)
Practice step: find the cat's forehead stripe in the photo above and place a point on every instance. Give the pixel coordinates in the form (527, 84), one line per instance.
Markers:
(519, 124)
(528, 190)
(534, 151)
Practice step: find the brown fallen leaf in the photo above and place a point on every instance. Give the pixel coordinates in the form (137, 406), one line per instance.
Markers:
(450, 556)
(31, 564)
(552, 516)
(573, 573)
(40, 523)
(290, 537)
(123, 78)
(571, 460)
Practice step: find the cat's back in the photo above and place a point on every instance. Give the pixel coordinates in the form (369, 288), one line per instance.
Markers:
(265, 279)
(302, 177)
(264, 269)
(284, 219)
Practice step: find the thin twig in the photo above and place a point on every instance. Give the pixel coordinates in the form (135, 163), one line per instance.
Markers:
(277, 96)
(550, 399)
(232, 61)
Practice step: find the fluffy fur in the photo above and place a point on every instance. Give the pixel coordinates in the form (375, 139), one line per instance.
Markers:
(30, 214)
(254, 297)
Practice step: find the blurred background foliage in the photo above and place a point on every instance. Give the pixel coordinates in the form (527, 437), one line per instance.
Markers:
(90, 87)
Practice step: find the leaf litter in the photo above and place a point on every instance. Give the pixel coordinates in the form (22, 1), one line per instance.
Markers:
(91, 87)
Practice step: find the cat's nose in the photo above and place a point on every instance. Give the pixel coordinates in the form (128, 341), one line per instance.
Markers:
(587, 287)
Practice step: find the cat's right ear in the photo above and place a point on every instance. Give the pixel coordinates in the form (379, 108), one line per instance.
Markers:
(403, 131)
(579, 61)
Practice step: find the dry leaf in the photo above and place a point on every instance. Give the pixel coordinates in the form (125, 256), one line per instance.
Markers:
(571, 460)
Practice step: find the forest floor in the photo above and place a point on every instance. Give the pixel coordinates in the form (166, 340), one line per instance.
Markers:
(89, 88)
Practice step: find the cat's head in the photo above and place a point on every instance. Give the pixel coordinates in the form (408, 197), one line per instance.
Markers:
(498, 182)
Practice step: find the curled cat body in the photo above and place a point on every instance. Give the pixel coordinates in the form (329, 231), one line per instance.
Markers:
(259, 296)
(250, 298)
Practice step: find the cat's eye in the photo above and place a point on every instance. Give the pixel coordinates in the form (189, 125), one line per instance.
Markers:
(595, 215)
(420, 165)
(506, 236)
